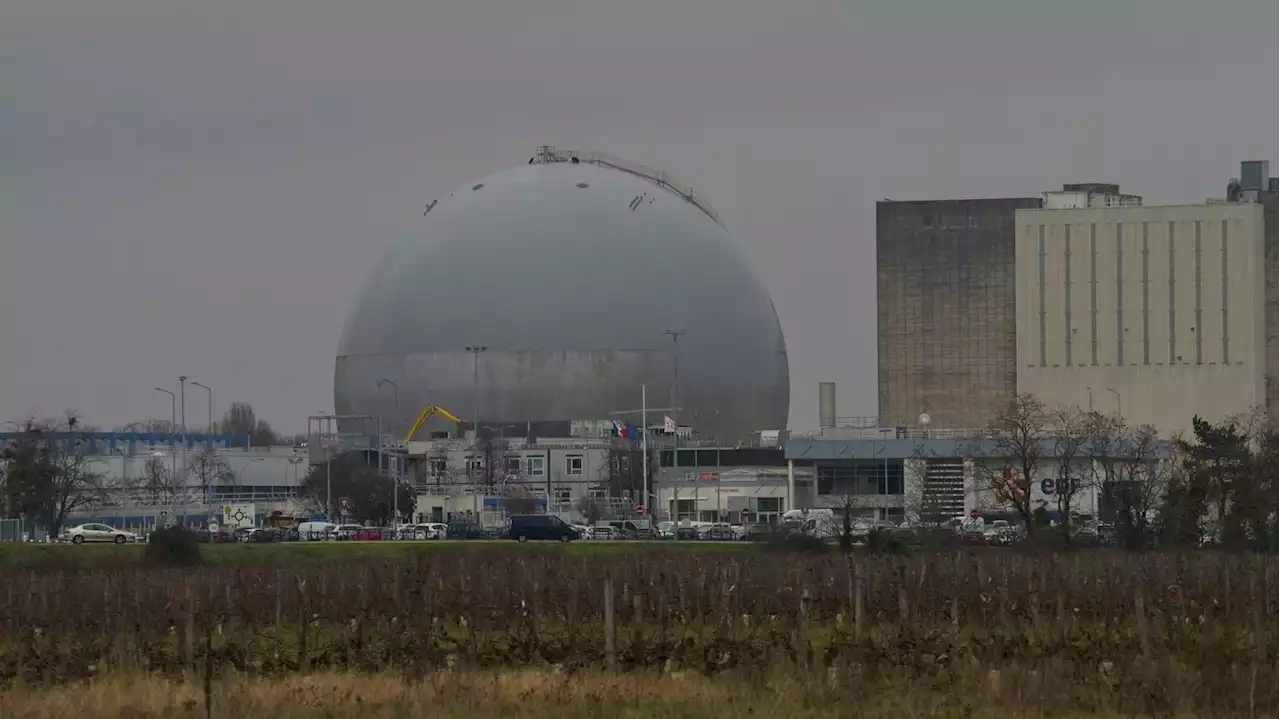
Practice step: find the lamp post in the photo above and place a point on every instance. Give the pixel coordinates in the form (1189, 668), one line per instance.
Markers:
(1119, 413)
(240, 474)
(475, 351)
(209, 392)
(173, 425)
(675, 336)
(182, 398)
(395, 477)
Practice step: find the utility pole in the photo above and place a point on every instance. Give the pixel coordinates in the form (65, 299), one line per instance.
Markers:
(475, 385)
(675, 396)
(395, 477)
(644, 421)
(173, 425)
(182, 388)
(209, 427)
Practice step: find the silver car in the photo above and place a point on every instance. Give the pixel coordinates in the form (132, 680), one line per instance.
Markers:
(98, 533)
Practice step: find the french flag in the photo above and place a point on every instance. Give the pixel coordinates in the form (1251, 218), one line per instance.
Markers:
(620, 429)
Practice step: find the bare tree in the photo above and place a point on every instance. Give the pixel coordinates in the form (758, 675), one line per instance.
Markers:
(209, 470)
(441, 472)
(240, 419)
(159, 483)
(1006, 462)
(48, 471)
(590, 509)
(1070, 455)
(518, 500)
(1135, 474)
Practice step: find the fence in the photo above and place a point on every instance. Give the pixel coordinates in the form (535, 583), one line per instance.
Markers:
(22, 530)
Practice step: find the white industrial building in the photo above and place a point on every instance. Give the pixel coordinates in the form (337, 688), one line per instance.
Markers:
(1156, 313)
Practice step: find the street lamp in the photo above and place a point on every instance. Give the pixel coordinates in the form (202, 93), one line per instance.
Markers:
(240, 474)
(205, 387)
(173, 424)
(675, 336)
(475, 351)
(1119, 414)
(395, 478)
(182, 397)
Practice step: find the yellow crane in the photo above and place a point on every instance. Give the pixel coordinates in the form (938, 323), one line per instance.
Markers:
(426, 415)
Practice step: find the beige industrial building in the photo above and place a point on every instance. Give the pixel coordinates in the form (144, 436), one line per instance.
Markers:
(1153, 312)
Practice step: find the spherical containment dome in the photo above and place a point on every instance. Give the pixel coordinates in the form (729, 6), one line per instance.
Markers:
(569, 274)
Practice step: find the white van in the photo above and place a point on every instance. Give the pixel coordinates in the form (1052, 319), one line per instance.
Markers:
(317, 531)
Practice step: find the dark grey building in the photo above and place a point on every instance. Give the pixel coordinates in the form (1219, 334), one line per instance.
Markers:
(945, 309)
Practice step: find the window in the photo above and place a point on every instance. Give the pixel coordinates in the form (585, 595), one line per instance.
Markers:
(573, 464)
(439, 467)
(514, 465)
(475, 466)
(537, 465)
(563, 496)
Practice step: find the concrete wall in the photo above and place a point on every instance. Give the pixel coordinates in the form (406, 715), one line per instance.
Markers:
(1155, 312)
(563, 385)
(945, 297)
(1272, 251)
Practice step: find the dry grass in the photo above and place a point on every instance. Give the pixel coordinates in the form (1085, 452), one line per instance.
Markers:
(547, 692)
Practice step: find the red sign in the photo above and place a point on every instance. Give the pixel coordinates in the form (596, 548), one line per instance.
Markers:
(640, 509)
(708, 476)
(973, 514)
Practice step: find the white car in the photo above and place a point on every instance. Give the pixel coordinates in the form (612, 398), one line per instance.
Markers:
(98, 533)
(431, 530)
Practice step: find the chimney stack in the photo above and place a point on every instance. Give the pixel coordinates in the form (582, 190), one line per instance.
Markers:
(827, 404)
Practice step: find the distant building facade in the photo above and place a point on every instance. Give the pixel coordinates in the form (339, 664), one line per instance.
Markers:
(1155, 313)
(945, 295)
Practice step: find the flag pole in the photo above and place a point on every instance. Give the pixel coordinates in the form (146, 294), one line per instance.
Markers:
(644, 446)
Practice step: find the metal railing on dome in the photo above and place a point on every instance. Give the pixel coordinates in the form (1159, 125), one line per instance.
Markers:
(549, 154)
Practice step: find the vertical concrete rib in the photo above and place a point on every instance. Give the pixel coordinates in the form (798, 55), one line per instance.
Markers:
(1093, 292)
(1146, 288)
(1226, 278)
(1119, 294)
(1199, 312)
(1066, 289)
(1044, 359)
(1173, 296)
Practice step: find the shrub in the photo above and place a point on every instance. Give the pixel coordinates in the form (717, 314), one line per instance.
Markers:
(173, 547)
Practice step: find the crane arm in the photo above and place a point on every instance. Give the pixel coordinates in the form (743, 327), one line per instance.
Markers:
(425, 415)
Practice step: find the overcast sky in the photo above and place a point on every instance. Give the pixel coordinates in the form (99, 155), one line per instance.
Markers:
(199, 187)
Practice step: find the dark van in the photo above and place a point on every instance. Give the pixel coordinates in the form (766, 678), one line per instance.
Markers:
(524, 527)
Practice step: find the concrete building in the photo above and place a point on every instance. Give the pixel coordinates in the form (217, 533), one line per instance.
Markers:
(1156, 313)
(945, 299)
(263, 479)
(1089, 194)
(714, 483)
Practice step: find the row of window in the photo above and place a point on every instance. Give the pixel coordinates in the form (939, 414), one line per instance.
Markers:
(533, 466)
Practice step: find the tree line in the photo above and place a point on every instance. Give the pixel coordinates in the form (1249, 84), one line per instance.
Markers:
(1216, 485)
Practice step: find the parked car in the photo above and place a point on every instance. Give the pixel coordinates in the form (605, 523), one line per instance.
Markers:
(686, 533)
(317, 531)
(758, 533)
(347, 532)
(718, 531)
(465, 530)
(605, 532)
(98, 533)
(523, 527)
(430, 530)
(369, 534)
(269, 534)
